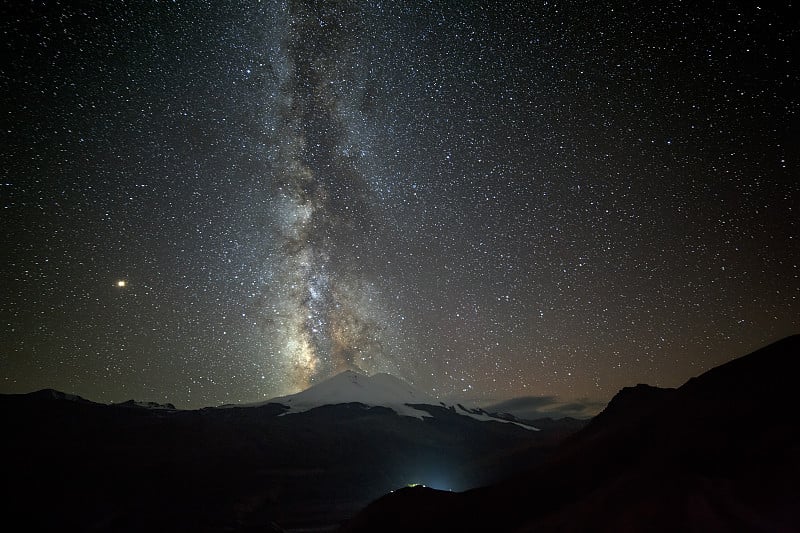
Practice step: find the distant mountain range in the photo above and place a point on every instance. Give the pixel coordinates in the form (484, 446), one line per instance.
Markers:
(308, 460)
(720, 453)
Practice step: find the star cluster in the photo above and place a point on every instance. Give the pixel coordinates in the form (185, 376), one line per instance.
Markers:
(214, 202)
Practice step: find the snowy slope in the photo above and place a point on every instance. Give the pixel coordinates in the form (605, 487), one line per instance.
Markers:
(381, 390)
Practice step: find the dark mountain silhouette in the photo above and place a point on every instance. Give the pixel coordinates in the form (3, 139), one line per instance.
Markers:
(74, 465)
(146, 405)
(720, 453)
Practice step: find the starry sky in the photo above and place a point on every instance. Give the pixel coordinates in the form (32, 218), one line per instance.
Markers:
(218, 202)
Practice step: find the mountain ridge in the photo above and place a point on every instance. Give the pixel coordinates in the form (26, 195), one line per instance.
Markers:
(346, 387)
(718, 453)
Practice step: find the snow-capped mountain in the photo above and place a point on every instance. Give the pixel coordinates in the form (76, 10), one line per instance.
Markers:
(378, 390)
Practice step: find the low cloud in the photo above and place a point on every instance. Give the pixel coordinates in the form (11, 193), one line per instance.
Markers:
(533, 407)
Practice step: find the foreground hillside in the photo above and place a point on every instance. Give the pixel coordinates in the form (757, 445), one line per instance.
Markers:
(720, 453)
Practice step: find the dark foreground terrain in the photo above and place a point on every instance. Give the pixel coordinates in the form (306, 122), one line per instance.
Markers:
(720, 453)
(73, 465)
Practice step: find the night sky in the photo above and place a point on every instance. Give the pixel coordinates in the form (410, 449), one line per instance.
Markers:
(218, 202)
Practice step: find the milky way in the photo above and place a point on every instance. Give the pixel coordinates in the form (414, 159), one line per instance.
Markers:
(488, 200)
(323, 321)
